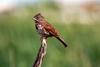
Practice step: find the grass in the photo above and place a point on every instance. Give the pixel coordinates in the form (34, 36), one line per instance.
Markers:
(19, 43)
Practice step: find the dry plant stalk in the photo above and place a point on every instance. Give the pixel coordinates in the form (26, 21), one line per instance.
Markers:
(41, 53)
(45, 30)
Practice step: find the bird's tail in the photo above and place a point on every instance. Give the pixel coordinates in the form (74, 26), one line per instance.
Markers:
(62, 41)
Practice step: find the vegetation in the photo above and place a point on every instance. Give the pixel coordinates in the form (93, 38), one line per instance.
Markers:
(19, 41)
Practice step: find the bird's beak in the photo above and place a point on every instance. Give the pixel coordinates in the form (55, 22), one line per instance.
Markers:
(35, 19)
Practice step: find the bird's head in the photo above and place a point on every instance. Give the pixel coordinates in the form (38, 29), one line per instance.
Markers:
(38, 17)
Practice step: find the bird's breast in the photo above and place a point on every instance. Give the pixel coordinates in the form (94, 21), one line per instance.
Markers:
(41, 30)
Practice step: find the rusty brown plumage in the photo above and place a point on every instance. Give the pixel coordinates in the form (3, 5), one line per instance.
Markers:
(45, 29)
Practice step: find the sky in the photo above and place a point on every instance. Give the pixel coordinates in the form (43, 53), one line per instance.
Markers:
(29, 1)
(9, 4)
(4, 4)
(77, 1)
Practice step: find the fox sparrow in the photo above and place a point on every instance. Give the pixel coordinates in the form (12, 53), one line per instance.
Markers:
(45, 29)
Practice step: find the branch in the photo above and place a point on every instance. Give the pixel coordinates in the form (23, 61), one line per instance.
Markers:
(41, 53)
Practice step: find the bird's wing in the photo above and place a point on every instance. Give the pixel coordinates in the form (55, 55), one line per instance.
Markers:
(50, 29)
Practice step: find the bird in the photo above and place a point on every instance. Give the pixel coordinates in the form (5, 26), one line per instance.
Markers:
(45, 29)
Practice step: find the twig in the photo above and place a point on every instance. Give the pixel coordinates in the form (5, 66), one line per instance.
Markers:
(41, 53)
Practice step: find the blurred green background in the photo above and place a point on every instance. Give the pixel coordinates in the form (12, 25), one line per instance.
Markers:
(79, 25)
